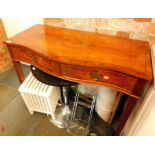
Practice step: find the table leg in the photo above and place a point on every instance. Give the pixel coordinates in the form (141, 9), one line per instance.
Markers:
(131, 102)
(18, 70)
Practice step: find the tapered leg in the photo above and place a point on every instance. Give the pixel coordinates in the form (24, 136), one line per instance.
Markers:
(18, 70)
(131, 102)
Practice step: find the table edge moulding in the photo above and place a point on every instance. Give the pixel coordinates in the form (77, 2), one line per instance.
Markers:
(85, 57)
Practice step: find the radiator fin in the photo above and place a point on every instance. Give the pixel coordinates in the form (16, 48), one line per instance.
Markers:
(38, 96)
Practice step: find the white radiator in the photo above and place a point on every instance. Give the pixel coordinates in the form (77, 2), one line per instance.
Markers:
(38, 96)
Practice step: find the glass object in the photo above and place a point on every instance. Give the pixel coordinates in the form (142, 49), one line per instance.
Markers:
(80, 127)
(62, 113)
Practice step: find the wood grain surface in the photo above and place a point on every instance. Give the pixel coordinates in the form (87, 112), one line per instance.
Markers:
(87, 49)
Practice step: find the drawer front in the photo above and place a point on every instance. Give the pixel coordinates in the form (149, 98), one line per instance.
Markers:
(32, 58)
(98, 76)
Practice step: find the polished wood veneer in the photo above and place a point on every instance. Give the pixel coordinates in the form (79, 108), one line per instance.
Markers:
(112, 79)
(26, 55)
(82, 48)
(85, 57)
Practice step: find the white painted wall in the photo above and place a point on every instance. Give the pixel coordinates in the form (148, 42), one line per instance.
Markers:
(15, 25)
(143, 122)
(148, 127)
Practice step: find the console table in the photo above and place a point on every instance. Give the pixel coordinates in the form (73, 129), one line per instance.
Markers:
(85, 57)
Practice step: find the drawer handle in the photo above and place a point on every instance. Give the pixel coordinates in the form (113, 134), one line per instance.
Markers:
(35, 59)
(96, 76)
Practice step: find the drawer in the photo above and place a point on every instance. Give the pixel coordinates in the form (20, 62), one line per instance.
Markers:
(26, 55)
(114, 79)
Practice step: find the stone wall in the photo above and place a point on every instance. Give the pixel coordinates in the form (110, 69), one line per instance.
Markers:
(133, 28)
(5, 61)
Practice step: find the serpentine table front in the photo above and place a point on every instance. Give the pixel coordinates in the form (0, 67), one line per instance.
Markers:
(85, 57)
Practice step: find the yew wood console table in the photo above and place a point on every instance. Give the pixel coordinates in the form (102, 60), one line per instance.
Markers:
(85, 57)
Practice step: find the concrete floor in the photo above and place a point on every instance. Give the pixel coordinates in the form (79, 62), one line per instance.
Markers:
(14, 116)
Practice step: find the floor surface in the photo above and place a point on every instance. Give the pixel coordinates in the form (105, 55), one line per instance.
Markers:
(15, 119)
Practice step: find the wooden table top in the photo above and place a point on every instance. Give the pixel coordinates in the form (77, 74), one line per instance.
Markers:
(87, 49)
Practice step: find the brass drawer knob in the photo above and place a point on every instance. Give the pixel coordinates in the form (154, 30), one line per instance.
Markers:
(98, 76)
(95, 76)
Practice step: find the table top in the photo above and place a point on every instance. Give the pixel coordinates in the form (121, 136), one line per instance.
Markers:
(88, 49)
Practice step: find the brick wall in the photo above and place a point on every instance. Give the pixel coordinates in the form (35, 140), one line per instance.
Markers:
(5, 61)
(133, 28)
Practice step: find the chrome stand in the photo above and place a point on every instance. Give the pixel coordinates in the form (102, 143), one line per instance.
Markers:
(79, 127)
